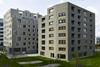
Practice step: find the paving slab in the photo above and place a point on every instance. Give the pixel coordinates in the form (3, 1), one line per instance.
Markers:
(30, 62)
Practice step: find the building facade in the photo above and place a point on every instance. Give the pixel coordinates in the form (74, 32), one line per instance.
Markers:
(20, 32)
(1, 35)
(66, 31)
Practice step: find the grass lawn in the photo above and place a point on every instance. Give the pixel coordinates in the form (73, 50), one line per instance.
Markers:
(93, 61)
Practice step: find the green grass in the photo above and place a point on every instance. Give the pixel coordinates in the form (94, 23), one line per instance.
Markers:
(93, 61)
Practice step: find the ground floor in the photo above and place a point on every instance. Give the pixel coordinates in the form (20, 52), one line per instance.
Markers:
(20, 51)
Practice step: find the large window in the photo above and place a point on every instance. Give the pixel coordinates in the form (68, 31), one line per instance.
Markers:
(43, 48)
(51, 54)
(62, 49)
(61, 21)
(43, 25)
(62, 41)
(51, 48)
(43, 30)
(42, 53)
(51, 35)
(43, 42)
(51, 29)
(61, 14)
(50, 17)
(62, 28)
(43, 36)
(51, 41)
(62, 34)
(51, 23)
(62, 56)
(51, 10)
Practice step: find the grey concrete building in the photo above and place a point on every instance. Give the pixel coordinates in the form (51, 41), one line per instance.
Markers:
(1, 34)
(20, 32)
(66, 31)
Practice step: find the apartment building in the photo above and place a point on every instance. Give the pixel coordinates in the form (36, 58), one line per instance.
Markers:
(21, 32)
(1, 34)
(66, 31)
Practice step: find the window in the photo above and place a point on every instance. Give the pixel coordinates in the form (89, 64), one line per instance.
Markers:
(50, 17)
(85, 53)
(43, 25)
(19, 20)
(17, 44)
(18, 38)
(85, 30)
(62, 42)
(43, 42)
(72, 22)
(51, 10)
(51, 41)
(72, 15)
(85, 19)
(43, 48)
(62, 56)
(24, 43)
(79, 41)
(51, 23)
(85, 13)
(85, 25)
(72, 42)
(90, 20)
(79, 35)
(79, 29)
(33, 26)
(72, 8)
(51, 48)
(51, 54)
(62, 28)
(79, 47)
(1, 28)
(43, 19)
(72, 35)
(51, 35)
(43, 36)
(43, 30)
(62, 49)
(79, 23)
(90, 15)
(51, 29)
(84, 35)
(1, 24)
(72, 28)
(79, 17)
(61, 21)
(91, 42)
(62, 34)
(23, 49)
(61, 14)
(24, 26)
(72, 49)
(79, 11)
(24, 33)
(42, 53)
(29, 30)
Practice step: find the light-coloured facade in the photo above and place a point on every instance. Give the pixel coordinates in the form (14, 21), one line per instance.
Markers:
(1, 34)
(20, 32)
(66, 31)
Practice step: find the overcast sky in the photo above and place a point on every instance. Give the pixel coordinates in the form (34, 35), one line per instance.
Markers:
(42, 5)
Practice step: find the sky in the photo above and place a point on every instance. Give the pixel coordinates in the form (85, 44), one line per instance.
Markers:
(40, 6)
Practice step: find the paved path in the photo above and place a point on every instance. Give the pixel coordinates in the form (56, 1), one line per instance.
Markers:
(30, 62)
(51, 65)
(21, 56)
